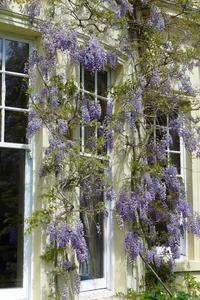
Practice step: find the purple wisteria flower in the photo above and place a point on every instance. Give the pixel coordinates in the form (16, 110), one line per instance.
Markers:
(65, 234)
(112, 59)
(155, 187)
(90, 110)
(67, 264)
(85, 113)
(110, 194)
(94, 110)
(166, 44)
(121, 9)
(126, 7)
(165, 88)
(190, 135)
(64, 40)
(76, 283)
(62, 125)
(65, 293)
(144, 2)
(54, 144)
(46, 63)
(34, 125)
(156, 19)
(93, 57)
(32, 9)
(137, 100)
(142, 81)
(131, 118)
(78, 242)
(108, 139)
(169, 175)
(133, 244)
(184, 207)
(52, 232)
(185, 82)
(37, 97)
(155, 79)
(194, 225)
(127, 205)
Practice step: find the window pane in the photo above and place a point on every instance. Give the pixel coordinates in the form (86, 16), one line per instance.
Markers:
(16, 56)
(175, 160)
(93, 267)
(15, 127)
(89, 81)
(0, 123)
(102, 88)
(1, 43)
(103, 104)
(0, 89)
(89, 140)
(90, 129)
(100, 131)
(160, 133)
(12, 164)
(175, 141)
(161, 119)
(16, 91)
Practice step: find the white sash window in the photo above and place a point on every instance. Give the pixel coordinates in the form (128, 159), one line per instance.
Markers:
(95, 272)
(175, 153)
(15, 167)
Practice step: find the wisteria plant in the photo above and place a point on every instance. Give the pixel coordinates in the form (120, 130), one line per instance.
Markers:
(146, 114)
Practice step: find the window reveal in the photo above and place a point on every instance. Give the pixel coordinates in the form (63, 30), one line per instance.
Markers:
(13, 143)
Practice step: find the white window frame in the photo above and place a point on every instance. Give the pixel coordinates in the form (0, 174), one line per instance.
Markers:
(104, 283)
(23, 293)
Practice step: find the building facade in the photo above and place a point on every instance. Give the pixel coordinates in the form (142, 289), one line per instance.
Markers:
(107, 270)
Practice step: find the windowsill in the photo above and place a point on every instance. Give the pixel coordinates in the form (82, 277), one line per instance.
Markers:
(185, 265)
(13, 294)
(97, 294)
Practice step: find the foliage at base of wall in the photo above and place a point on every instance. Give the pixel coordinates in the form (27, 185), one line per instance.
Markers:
(188, 290)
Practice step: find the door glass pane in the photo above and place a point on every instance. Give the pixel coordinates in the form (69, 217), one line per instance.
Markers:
(15, 127)
(12, 165)
(16, 55)
(93, 267)
(93, 228)
(16, 91)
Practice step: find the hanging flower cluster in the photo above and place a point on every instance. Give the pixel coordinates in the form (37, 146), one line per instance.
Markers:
(64, 235)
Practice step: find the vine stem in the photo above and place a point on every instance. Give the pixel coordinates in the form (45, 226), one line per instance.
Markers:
(156, 275)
